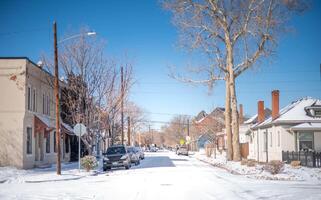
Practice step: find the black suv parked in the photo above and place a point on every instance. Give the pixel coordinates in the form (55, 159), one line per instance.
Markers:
(116, 156)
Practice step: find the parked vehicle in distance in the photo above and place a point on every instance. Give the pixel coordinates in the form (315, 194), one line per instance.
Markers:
(153, 149)
(116, 156)
(141, 152)
(134, 155)
(182, 151)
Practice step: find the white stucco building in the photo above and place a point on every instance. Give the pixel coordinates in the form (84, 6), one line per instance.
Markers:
(295, 127)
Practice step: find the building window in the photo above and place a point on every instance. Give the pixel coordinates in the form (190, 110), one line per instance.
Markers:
(48, 143)
(265, 141)
(67, 144)
(271, 140)
(48, 105)
(29, 140)
(306, 141)
(54, 139)
(43, 104)
(279, 138)
(34, 100)
(29, 99)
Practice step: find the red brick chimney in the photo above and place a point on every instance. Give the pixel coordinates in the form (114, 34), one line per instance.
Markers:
(260, 112)
(241, 117)
(275, 104)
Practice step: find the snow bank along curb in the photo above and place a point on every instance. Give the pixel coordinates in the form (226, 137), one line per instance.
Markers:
(37, 175)
(217, 165)
(288, 174)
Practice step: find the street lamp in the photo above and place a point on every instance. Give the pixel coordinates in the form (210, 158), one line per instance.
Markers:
(56, 90)
(90, 33)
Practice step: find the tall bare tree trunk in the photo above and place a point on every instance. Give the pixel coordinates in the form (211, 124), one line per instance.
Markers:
(235, 121)
(233, 101)
(228, 120)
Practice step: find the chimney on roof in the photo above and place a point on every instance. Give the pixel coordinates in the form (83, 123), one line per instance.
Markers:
(260, 112)
(275, 104)
(241, 116)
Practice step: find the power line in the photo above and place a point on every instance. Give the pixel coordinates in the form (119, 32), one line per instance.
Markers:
(23, 31)
(239, 82)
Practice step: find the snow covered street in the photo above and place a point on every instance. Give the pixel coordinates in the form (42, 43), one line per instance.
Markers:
(162, 175)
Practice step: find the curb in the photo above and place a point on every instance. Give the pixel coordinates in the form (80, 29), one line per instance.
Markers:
(228, 170)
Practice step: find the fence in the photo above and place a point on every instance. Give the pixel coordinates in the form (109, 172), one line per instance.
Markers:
(307, 158)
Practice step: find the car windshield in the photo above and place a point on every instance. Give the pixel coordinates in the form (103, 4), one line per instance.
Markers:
(116, 150)
(130, 149)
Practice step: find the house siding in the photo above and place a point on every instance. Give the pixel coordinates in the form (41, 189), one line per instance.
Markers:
(317, 141)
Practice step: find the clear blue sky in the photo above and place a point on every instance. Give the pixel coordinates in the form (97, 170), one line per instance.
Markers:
(144, 31)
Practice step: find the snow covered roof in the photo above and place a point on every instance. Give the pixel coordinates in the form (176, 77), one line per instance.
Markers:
(253, 119)
(293, 113)
(307, 126)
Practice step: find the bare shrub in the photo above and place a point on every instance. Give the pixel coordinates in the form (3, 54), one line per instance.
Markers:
(244, 162)
(251, 163)
(274, 166)
(295, 163)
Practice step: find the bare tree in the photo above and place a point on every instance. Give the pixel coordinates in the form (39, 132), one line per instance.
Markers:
(91, 93)
(234, 35)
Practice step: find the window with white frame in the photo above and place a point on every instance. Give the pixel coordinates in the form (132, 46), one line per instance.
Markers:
(279, 138)
(29, 140)
(306, 140)
(271, 139)
(265, 141)
(29, 99)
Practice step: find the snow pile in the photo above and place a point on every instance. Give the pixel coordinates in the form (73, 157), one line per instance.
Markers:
(69, 172)
(288, 173)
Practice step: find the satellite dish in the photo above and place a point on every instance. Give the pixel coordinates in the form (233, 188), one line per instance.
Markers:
(40, 63)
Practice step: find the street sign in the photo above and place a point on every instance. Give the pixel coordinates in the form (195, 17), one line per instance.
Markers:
(80, 129)
(182, 142)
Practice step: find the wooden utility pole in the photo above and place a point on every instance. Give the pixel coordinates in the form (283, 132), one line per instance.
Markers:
(122, 103)
(128, 130)
(57, 101)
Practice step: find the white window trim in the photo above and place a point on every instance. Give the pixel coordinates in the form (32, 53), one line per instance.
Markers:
(271, 139)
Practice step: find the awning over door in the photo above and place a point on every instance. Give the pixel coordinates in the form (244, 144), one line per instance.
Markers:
(44, 123)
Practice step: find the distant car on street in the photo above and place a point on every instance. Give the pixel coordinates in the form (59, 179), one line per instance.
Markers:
(116, 156)
(134, 155)
(153, 149)
(141, 152)
(182, 151)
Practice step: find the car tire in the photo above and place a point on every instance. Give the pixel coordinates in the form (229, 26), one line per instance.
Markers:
(127, 167)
